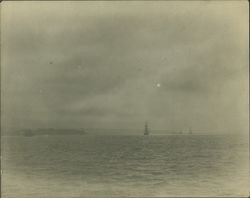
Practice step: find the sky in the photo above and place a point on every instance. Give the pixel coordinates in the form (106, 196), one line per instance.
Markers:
(117, 64)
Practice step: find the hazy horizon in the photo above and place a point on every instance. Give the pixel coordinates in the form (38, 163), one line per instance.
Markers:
(118, 64)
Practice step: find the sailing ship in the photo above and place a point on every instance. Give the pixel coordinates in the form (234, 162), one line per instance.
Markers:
(146, 132)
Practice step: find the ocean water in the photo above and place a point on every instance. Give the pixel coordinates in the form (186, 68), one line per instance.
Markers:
(125, 166)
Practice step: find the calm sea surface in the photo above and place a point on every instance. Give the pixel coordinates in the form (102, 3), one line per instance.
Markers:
(92, 166)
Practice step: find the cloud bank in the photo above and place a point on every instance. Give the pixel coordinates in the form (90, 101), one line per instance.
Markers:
(97, 64)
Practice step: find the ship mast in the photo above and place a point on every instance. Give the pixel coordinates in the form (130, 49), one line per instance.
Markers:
(146, 132)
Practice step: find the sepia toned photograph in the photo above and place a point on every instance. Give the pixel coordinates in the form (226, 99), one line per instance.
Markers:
(124, 99)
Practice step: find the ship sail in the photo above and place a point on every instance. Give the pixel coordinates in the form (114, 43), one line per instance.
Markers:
(146, 132)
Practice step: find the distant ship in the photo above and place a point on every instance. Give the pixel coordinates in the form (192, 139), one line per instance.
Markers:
(28, 133)
(146, 132)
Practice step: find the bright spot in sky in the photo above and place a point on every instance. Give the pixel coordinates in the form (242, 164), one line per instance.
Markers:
(158, 84)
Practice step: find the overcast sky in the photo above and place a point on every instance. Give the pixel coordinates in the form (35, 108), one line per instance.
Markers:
(116, 64)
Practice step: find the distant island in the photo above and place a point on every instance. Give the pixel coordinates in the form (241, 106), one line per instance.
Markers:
(51, 131)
